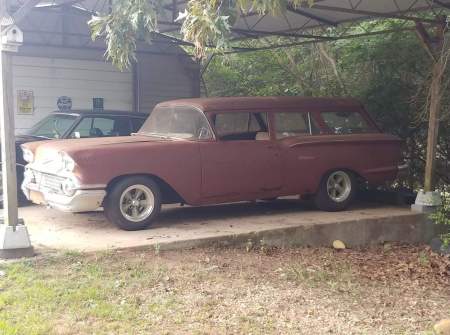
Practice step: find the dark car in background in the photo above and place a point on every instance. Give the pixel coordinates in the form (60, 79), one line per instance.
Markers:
(75, 124)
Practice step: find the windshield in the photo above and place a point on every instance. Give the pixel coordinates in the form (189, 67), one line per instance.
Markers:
(177, 122)
(53, 126)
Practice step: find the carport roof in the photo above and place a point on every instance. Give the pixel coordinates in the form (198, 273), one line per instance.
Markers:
(301, 24)
(324, 13)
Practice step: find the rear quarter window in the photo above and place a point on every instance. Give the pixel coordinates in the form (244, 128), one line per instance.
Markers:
(293, 124)
(346, 122)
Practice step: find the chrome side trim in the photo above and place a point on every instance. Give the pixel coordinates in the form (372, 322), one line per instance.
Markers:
(92, 186)
(402, 167)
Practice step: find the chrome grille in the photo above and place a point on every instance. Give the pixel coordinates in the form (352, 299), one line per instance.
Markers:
(49, 182)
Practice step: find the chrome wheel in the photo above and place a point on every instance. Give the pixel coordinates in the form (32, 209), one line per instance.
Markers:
(339, 186)
(137, 203)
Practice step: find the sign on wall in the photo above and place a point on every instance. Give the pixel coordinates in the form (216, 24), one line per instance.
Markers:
(98, 104)
(64, 103)
(25, 102)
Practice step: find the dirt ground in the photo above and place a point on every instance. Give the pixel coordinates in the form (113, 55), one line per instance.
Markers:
(390, 289)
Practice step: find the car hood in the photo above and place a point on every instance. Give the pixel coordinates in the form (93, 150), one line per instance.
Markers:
(21, 139)
(45, 150)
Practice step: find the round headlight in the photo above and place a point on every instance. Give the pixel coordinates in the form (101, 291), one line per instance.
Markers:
(69, 187)
(28, 175)
(28, 155)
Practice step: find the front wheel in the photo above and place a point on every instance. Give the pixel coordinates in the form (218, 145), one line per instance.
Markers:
(336, 192)
(133, 203)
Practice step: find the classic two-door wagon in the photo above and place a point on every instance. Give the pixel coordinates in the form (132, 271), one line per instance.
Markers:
(217, 150)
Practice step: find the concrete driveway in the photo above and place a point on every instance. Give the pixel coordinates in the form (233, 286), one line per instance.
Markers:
(281, 223)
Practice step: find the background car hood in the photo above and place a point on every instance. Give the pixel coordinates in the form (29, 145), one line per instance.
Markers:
(21, 139)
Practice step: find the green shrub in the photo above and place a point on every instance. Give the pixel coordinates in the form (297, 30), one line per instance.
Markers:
(442, 216)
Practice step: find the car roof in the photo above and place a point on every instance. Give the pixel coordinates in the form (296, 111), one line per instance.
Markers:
(239, 103)
(104, 112)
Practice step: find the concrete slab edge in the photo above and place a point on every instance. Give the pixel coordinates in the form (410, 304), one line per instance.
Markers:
(413, 228)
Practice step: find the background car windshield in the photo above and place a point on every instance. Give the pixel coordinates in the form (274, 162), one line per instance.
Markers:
(53, 126)
(179, 122)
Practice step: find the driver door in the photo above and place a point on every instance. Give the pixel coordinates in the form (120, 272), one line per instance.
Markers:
(243, 163)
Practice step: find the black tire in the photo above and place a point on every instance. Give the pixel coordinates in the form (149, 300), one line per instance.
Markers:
(117, 195)
(21, 198)
(329, 201)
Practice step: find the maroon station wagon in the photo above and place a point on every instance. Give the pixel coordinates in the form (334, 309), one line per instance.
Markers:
(216, 150)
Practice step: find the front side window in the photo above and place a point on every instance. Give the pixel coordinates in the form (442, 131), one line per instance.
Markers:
(177, 122)
(241, 126)
(292, 124)
(53, 126)
(343, 122)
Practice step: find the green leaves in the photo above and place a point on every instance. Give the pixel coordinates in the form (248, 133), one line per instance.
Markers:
(128, 22)
(442, 216)
(205, 23)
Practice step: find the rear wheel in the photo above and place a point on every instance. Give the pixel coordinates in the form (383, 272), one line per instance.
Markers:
(336, 192)
(133, 203)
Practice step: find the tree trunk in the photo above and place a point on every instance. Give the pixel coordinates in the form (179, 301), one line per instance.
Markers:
(433, 123)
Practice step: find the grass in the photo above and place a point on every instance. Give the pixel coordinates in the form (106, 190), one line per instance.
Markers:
(226, 291)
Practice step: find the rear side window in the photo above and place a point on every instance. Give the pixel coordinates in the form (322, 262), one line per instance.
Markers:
(103, 126)
(342, 122)
(136, 124)
(294, 124)
(121, 127)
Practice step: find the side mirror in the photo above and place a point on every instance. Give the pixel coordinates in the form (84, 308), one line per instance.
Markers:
(76, 134)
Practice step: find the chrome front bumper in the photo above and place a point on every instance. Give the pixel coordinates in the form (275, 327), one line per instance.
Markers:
(81, 201)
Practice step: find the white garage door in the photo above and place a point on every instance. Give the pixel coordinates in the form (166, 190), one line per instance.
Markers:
(81, 80)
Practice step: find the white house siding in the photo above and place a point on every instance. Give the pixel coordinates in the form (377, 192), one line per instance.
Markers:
(59, 58)
(165, 77)
(82, 80)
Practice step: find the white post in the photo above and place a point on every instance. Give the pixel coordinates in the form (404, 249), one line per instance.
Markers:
(8, 153)
(14, 239)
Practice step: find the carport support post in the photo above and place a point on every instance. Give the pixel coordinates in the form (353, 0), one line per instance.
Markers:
(428, 199)
(14, 239)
